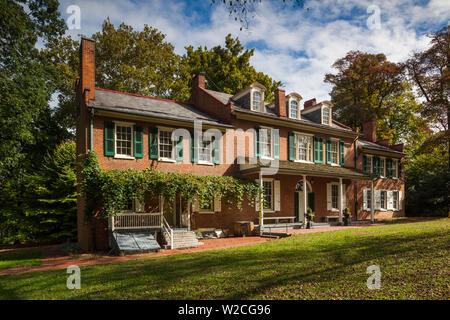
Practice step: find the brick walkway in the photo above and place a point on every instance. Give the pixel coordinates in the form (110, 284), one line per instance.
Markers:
(51, 260)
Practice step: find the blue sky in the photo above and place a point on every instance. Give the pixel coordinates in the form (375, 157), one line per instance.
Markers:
(293, 44)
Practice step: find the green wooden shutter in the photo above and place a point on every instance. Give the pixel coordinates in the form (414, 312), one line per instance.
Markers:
(320, 150)
(328, 151)
(179, 149)
(138, 141)
(399, 169)
(276, 144)
(216, 150)
(376, 165)
(311, 201)
(257, 143)
(364, 163)
(153, 143)
(342, 149)
(291, 146)
(389, 168)
(194, 149)
(109, 139)
(296, 207)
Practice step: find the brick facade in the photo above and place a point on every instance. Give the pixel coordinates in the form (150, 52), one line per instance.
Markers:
(209, 104)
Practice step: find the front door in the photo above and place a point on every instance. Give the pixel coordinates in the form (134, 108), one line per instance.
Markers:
(299, 200)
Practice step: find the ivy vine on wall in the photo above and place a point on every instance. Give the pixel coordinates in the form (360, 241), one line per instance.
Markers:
(109, 191)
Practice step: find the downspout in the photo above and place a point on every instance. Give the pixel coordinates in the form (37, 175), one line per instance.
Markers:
(91, 147)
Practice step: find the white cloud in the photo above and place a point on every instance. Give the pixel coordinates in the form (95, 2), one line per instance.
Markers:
(300, 45)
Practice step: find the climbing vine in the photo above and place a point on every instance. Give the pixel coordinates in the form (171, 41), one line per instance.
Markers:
(111, 190)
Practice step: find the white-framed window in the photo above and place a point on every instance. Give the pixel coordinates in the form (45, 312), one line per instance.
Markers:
(394, 168)
(266, 142)
(293, 109)
(124, 139)
(257, 100)
(395, 200)
(268, 194)
(382, 167)
(304, 147)
(165, 144)
(369, 167)
(369, 199)
(334, 197)
(335, 152)
(383, 199)
(326, 115)
(205, 150)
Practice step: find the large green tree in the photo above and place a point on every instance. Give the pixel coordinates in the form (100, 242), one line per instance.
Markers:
(227, 69)
(26, 80)
(362, 87)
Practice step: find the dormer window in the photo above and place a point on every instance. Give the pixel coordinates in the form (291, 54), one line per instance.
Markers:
(257, 100)
(326, 115)
(293, 110)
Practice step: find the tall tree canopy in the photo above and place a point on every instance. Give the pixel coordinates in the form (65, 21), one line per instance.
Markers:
(430, 72)
(362, 87)
(26, 81)
(227, 69)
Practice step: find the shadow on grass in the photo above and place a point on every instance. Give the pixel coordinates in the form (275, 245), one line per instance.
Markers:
(237, 273)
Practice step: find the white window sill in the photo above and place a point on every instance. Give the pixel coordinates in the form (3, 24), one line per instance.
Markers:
(267, 158)
(334, 210)
(335, 165)
(167, 160)
(303, 161)
(206, 212)
(123, 156)
(206, 163)
(269, 211)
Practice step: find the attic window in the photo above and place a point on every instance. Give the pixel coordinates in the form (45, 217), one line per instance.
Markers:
(257, 99)
(293, 110)
(326, 116)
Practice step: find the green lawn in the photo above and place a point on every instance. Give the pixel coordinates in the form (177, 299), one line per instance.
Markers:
(413, 257)
(20, 257)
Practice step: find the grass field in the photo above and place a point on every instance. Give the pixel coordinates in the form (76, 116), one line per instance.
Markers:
(20, 257)
(413, 258)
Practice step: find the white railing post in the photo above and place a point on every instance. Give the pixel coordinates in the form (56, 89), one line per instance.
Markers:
(171, 238)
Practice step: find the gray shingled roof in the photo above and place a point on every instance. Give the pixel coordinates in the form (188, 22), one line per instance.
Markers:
(151, 107)
(375, 146)
(222, 96)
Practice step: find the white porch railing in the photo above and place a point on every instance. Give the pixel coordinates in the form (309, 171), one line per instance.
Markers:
(167, 230)
(136, 221)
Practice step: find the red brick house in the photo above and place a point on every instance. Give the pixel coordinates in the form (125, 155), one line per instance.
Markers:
(302, 157)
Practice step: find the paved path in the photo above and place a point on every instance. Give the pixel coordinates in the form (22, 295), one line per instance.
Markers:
(51, 260)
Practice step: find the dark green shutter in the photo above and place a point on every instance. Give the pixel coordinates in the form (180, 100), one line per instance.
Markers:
(364, 163)
(257, 143)
(296, 208)
(342, 149)
(276, 143)
(138, 141)
(291, 146)
(318, 150)
(328, 151)
(399, 169)
(153, 142)
(194, 149)
(216, 151)
(109, 139)
(179, 149)
(389, 168)
(311, 201)
(376, 165)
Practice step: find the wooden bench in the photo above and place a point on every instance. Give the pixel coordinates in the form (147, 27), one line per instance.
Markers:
(277, 219)
(327, 218)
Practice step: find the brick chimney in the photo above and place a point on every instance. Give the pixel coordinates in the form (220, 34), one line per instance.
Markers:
(198, 80)
(280, 103)
(87, 69)
(309, 103)
(370, 130)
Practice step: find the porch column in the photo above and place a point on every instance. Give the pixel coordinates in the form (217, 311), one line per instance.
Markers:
(372, 203)
(305, 199)
(340, 200)
(261, 205)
